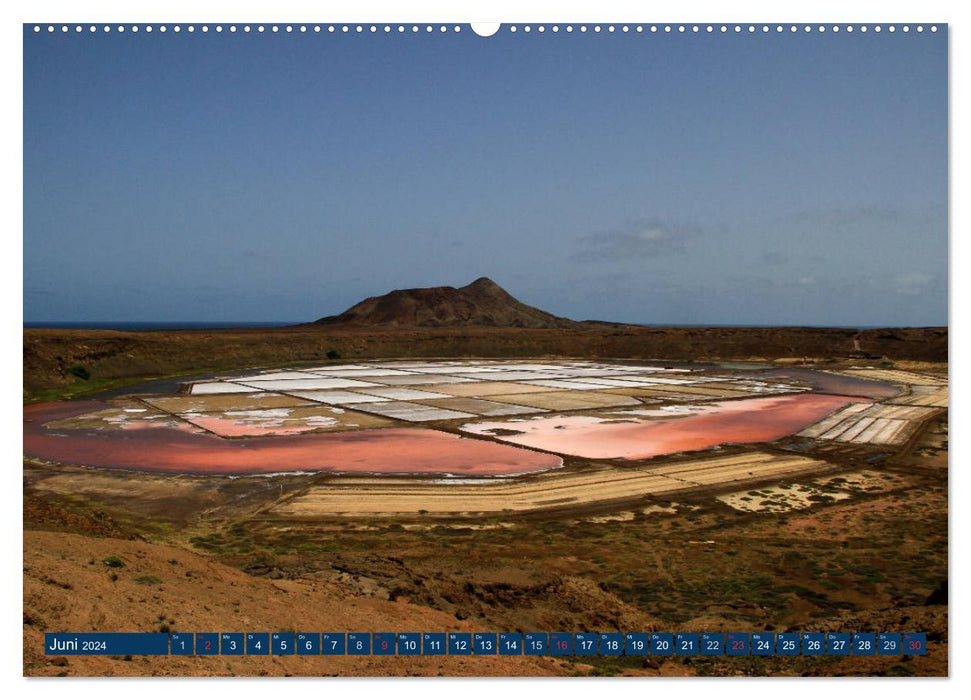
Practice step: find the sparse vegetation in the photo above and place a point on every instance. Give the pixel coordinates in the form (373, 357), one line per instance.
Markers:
(879, 551)
(130, 358)
(79, 371)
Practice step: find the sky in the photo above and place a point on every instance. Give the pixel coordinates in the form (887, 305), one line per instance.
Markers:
(723, 179)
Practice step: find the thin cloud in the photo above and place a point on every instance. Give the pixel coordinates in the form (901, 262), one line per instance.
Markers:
(848, 216)
(637, 239)
(773, 257)
(254, 254)
(912, 283)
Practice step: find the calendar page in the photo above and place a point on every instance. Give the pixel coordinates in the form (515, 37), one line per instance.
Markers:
(533, 348)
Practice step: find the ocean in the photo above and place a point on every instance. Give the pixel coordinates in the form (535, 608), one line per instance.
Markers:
(155, 325)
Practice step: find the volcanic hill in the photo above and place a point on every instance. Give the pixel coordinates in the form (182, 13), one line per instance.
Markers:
(482, 303)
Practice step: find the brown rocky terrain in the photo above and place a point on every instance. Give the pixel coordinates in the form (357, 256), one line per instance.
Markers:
(94, 574)
(114, 358)
(204, 554)
(69, 587)
(481, 303)
(123, 551)
(479, 320)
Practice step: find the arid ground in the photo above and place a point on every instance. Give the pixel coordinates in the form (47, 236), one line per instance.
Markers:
(836, 526)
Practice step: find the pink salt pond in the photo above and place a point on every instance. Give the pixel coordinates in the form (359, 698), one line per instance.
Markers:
(633, 436)
(185, 450)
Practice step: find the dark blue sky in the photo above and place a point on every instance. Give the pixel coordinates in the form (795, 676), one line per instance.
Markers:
(650, 178)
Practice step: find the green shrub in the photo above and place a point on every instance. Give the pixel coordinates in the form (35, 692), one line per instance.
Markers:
(333, 355)
(79, 371)
(113, 561)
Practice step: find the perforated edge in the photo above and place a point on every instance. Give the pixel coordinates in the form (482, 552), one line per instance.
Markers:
(484, 30)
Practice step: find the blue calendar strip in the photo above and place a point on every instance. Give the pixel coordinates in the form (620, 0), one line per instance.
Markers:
(107, 644)
(576, 644)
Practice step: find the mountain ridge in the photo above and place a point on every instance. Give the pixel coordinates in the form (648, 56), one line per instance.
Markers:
(482, 303)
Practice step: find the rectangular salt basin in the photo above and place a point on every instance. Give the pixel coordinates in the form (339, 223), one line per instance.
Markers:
(823, 427)
(414, 412)
(364, 372)
(632, 369)
(719, 383)
(470, 369)
(338, 397)
(400, 364)
(570, 372)
(619, 383)
(202, 403)
(874, 429)
(663, 380)
(855, 429)
(836, 431)
(504, 376)
(219, 388)
(480, 389)
(331, 368)
(568, 400)
(273, 375)
(936, 398)
(481, 407)
(566, 384)
(901, 412)
(316, 383)
(654, 368)
(424, 366)
(893, 433)
(417, 379)
(404, 393)
(285, 421)
(517, 367)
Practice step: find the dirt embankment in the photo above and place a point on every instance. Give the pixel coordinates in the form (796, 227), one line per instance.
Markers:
(78, 583)
(54, 359)
(68, 586)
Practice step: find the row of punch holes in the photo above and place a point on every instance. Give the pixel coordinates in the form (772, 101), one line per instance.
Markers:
(512, 28)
